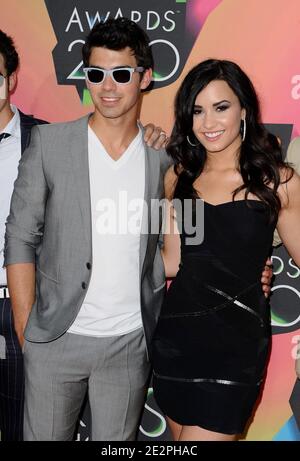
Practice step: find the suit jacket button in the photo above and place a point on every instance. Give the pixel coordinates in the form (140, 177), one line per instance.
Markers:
(89, 266)
(83, 285)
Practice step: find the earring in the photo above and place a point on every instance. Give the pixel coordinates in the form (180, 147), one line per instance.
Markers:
(244, 129)
(190, 143)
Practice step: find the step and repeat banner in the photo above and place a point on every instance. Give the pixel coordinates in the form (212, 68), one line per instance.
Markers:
(263, 38)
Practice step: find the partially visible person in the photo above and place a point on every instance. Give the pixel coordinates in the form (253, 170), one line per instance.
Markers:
(293, 154)
(292, 158)
(211, 344)
(15, 129)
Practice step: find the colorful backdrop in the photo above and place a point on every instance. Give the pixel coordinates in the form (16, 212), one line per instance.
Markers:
(262, 37)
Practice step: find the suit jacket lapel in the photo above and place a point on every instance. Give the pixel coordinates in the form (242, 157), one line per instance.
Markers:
(80, 165)
(152, 174)
(26, 125)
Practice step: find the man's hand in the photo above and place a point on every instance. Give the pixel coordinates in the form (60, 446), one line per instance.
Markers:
(266, 278)
(155, 136)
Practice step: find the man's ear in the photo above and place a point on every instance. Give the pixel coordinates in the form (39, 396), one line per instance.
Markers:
(87, 84)
(146, 80)
(12, 81)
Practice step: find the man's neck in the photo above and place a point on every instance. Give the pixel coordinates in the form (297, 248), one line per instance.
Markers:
(6, 114)
(115, 134)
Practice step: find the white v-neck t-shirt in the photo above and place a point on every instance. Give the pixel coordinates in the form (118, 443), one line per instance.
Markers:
(112, 302)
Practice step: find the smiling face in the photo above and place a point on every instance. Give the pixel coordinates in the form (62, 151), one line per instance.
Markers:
(217, 117)
(113, 100)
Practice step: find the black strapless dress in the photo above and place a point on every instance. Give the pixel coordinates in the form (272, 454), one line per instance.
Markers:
(211, 344)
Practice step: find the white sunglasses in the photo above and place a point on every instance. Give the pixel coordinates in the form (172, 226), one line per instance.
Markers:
(121, 75)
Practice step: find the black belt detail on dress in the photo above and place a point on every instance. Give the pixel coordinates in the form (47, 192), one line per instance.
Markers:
(230, 300)
(206, 380)
(235, 301)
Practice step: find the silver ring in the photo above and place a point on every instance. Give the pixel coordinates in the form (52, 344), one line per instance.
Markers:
(162, 133)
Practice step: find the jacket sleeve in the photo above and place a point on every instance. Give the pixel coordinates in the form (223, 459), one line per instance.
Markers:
(25, 223)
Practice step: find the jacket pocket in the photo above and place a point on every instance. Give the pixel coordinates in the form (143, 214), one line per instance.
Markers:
(47, 276)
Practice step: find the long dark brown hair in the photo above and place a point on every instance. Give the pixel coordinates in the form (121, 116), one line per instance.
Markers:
(260, 157)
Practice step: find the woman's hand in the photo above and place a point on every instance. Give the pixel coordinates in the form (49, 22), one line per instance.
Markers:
(155, 136)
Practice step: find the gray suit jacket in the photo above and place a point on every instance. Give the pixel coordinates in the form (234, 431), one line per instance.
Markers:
(50, 225)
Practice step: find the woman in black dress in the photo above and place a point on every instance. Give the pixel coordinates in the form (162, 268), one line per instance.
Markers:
(212, 341)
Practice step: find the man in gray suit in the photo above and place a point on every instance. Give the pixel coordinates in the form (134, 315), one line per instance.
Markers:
(89, 294)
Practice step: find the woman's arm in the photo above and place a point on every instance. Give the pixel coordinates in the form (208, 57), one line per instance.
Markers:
(289, 217)
(171, 246)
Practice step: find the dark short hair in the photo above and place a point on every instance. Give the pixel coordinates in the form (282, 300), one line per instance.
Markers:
(117, 34)
(9, 53)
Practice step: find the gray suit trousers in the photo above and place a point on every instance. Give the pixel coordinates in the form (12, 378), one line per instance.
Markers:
(114, 371)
